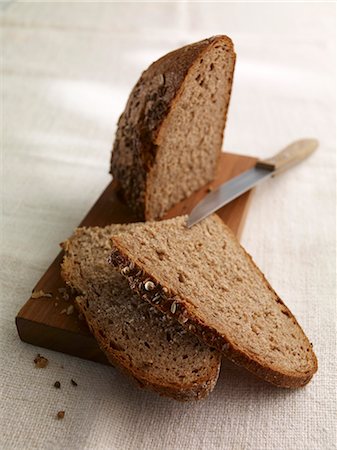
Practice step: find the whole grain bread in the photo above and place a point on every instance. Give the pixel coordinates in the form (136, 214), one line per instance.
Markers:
(206, 280)
(170, 135)
(153, 349)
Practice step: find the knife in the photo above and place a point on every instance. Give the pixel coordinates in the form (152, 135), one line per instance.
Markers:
(264, 169)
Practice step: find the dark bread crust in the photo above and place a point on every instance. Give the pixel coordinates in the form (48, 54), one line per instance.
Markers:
(167, 302)
(193, 391)
(150, 101)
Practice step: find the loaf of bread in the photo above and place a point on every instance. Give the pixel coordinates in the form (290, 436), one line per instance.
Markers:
(152, 348)
(204, 278)
(169, 137)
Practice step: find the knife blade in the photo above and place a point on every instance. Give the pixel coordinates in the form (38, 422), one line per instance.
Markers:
(264, 169)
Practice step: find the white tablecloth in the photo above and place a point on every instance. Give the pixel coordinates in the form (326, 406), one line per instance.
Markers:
(67, 71)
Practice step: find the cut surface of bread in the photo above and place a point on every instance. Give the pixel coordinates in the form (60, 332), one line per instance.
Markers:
(154, 349)
(169, 137)
(204, 278)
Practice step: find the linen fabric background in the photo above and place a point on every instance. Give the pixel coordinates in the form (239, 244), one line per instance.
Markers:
(67, 70)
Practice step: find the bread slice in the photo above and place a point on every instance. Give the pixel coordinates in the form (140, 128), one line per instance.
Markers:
(150, 347)
(170, 135)
(206, 280)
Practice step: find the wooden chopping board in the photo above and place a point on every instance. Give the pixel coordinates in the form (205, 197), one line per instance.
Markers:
(48, 321)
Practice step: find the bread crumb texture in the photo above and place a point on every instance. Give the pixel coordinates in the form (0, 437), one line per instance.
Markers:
(151, 347)
(169, 137)
(216, 291)
(40, 361)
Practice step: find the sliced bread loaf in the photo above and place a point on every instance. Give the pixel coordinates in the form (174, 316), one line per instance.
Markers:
(206, 280)
(153, 349)
(170, 135)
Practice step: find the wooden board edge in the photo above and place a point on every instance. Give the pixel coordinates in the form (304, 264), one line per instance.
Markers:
(80, 345)
(248, 199)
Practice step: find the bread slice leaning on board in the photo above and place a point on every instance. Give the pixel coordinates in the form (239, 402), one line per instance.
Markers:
(170, 134)
(204, 279)
(152, 348)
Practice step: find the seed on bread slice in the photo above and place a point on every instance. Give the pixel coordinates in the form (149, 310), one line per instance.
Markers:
(153, 349)
(204, 278)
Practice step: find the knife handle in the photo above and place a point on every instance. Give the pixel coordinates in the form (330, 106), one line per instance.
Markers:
(289, 156)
